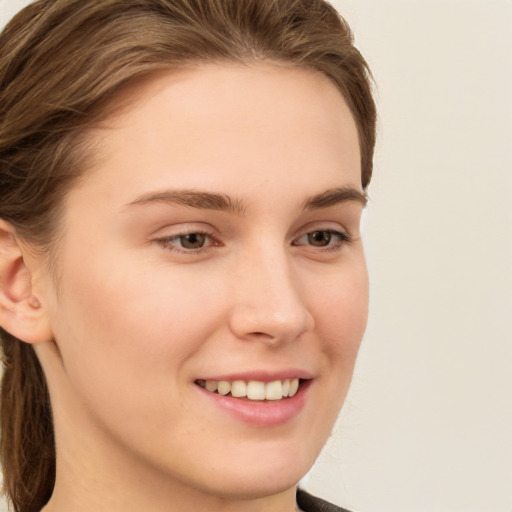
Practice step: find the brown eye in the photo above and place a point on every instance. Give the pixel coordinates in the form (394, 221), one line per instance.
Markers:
(323, 239)
(319, 238)
(192, 240)
(190, 244)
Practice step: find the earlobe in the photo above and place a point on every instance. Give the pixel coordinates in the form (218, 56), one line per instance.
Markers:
(21, 312)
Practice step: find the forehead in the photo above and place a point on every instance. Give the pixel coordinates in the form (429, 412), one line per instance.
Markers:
(242, 84)
(226, 126)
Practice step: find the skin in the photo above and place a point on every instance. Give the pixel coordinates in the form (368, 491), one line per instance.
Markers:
(135, 318)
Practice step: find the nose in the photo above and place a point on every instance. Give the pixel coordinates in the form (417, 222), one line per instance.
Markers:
(268, 304)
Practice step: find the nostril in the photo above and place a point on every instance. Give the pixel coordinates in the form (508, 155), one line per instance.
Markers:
(261, 335)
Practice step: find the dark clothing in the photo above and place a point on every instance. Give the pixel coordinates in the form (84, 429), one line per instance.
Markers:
(309, 503)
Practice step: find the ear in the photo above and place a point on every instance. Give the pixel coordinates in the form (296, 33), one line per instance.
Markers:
(21, 313)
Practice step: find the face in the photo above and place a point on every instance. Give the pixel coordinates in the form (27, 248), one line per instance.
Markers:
(213, 251)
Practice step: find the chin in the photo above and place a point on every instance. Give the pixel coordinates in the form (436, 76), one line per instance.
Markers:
(267, 473)
(255, 485)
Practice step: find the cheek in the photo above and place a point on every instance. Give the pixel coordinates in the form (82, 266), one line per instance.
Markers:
(137, 316)
(341, 313)
(125, 340)
(126, 337)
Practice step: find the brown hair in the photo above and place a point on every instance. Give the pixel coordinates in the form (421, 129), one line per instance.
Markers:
(59, 61)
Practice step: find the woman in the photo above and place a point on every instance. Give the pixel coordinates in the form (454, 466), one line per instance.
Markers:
(184, 288)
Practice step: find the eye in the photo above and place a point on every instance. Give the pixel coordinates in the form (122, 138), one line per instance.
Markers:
(192, 240)
(188, 242)
(319, 238)
(323, 238)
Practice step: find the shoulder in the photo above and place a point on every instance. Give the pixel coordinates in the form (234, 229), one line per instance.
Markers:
(308, 503)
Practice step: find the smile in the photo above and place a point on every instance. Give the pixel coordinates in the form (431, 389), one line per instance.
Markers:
(253, 389)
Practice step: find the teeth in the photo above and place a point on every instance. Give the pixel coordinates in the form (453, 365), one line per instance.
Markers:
(274, 390)
(238, 388)
(256, 390)
(294, 387)
(223, 387)
(253, 390)
(211, 385)
(286, 387)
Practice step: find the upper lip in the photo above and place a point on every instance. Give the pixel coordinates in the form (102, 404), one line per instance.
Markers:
(263, 375)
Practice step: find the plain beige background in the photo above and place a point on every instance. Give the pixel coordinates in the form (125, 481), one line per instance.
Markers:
(428, 422)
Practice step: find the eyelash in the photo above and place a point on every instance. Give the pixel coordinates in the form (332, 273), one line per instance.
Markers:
(169, 242)
(342, 239)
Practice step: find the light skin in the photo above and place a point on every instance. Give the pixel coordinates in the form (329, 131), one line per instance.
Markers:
(217, 234)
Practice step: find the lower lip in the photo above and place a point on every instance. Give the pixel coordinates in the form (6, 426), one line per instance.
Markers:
(265, 413)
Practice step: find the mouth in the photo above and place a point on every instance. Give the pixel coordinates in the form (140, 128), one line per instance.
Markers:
(253, 390)
(259, 400)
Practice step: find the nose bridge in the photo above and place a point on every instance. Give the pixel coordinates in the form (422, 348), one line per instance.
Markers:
(269, 304)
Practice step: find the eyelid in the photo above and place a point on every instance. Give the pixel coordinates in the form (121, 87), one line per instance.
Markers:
(342, 238)
(341, 234)
(334, 227)
(178, 227)
(166, 241)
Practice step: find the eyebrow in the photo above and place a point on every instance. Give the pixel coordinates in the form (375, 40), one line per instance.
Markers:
(335, 196)
(222, 202)
(192, 199)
